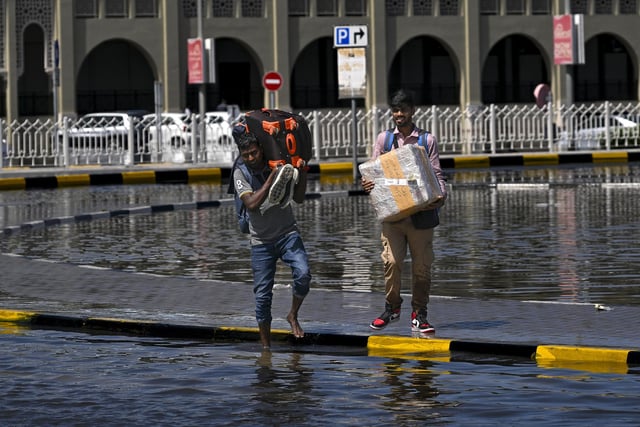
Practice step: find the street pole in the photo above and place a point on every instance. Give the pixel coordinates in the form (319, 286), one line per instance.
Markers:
(202, 94)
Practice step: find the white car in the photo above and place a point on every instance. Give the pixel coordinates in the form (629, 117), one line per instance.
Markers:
(104, 131)
(218, 127)
(591, 134)
(173, 133)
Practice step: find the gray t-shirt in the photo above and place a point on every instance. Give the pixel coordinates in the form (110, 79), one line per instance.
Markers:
(275, 222)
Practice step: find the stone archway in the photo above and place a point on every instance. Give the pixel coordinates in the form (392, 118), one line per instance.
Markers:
(115, 76)
(34, 85)
(512, 70)
(608, 72)
(424, 66)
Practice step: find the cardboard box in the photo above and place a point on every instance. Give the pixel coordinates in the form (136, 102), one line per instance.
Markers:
(405, 182)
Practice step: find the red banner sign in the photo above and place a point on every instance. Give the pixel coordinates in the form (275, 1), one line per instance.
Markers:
(563, 39)
(194, 61)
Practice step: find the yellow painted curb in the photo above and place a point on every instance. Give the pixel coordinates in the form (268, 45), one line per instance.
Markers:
(210, 174)
(541, 159)
(472, 162)
(610, 156)
(12, 184)
(408, 345)
(580, 354)
(139, 177)
(336, 167)
(73, 180)
(15, 316)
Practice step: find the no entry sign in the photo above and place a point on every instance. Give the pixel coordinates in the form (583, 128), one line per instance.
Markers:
(272, 80)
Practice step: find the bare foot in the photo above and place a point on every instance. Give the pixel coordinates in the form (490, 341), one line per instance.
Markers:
(296, 329)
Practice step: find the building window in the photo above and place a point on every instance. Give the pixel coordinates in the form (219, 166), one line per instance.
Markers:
(395, 7)
(540, 7)
(489, 7)
(252, 8)
(146, 8)
(579, 7)
(223, 8)
(423, 7)
(115, 8)
(86, 8)
(355, 8)
(327, 7)
(449, 8)
(515, 7)
(604, 7)
(628, 7)
(190, 8)
(298, 7)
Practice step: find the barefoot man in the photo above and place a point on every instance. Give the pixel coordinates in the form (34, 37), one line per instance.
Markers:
(266, 193)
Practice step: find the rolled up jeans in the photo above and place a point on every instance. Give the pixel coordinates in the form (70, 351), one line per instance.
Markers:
(290, 249)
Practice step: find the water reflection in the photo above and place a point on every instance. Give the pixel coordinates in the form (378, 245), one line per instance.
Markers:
(560, 234)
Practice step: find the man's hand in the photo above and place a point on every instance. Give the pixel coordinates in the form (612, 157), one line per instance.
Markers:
(367, 185)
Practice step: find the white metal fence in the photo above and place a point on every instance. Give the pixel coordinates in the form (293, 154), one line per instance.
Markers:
(477, 130)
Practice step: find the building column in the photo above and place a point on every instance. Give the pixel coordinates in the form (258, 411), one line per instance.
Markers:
(378, 72)
(64, 32)
(280, 25)
(11, 88)
(471, 73)
(170, 73)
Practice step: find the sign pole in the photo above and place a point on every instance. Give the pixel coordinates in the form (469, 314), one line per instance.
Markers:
(354, 136)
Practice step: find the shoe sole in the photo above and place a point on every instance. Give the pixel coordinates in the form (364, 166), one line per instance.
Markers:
(277, 190)
(423, 331)
(378, 328)
(289, 190)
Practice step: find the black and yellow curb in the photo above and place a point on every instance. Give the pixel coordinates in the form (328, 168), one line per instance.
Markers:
(538, 159)
(597, 359)
(326, 169)
(178, 176)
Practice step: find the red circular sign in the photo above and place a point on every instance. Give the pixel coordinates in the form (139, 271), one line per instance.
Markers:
(272, 80)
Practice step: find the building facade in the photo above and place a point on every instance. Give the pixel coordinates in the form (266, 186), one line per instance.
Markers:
(70, 57)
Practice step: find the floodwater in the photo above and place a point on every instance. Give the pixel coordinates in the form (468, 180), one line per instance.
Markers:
(560, 234)
(564, 234)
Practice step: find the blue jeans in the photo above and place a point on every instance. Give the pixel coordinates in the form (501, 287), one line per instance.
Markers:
(290, 249)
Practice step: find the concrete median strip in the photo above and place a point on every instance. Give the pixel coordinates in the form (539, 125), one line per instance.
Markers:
(438, 349)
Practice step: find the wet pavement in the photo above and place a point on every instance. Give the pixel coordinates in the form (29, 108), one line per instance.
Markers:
(483, 325)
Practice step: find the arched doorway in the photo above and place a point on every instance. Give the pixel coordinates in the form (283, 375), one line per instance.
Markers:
(608, 72)
(514, 67)
(238, 79)
(314, 79)
(424, 66)
(34, 84)
(115, 76)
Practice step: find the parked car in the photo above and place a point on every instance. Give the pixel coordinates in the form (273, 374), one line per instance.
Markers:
(106, 132)
(591, 135)
(169, 141)
(218, 127)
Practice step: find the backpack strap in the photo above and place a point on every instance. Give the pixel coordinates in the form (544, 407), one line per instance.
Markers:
(391, 140)
(423, 139)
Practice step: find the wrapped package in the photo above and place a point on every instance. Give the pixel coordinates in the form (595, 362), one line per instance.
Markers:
(405, 182)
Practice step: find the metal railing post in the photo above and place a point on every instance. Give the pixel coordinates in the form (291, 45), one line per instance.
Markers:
(316, 134)
(2, 144)
(550, 136)
(492, 128)
(65, 142)
(132, 142)
(607, 124)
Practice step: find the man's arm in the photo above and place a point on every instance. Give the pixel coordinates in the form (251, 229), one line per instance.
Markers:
(253, 199)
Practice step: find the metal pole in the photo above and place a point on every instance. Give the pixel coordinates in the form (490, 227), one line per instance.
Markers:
(568, 68)
(354, 136)
(202, 94)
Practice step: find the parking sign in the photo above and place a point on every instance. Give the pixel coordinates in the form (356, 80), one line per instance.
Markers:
(351, 36)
